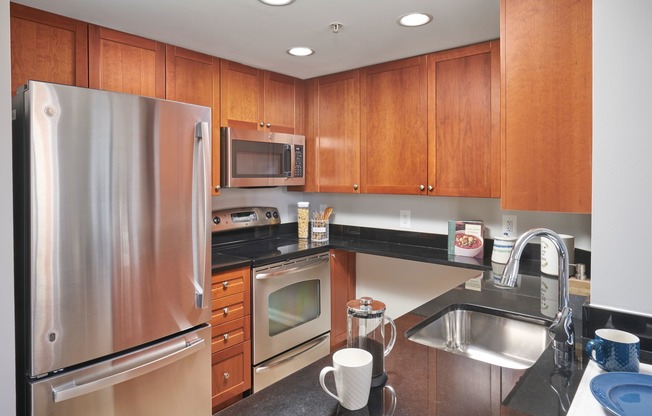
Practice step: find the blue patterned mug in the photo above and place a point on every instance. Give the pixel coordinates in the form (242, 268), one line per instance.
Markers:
(615, 350)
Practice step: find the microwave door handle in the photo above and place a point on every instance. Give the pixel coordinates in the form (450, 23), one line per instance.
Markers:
(200, 210)
(287, 160)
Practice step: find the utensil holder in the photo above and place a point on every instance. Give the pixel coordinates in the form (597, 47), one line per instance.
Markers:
(319, 230)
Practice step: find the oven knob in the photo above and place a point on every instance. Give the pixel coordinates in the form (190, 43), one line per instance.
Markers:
(268, 215)
(275, 214)
(216, 220)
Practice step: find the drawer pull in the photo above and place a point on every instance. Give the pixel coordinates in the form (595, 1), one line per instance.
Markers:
(227, 375)
(226, 337)
(225, 284)
(226, 311)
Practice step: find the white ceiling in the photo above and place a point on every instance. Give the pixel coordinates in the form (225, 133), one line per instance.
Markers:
(258, 35)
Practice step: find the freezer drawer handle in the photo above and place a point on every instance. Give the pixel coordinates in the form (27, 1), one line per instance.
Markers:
(137, 365)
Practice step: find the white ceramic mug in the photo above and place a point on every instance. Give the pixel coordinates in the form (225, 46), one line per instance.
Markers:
(502, 249)
(550, 257)
(352, 371)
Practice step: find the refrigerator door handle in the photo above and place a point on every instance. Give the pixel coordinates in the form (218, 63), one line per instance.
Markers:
(129, 368)
(201, 209)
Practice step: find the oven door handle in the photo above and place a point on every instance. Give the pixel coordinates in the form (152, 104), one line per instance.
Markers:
(298, 267)
(302, 350)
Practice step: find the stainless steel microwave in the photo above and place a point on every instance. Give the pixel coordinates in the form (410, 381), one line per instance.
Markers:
(251, 158)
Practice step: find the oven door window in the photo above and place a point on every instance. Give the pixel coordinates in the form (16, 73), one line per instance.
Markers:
(293, 305)
(261, 160)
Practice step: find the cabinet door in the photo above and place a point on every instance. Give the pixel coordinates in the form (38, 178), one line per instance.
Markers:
(394, 135)
(282, 104)
(47, 47)
(194, 78)
(342, 265)
(125, 63)
(464, 121)
(241, 96)
(546, 119)
(338, 132)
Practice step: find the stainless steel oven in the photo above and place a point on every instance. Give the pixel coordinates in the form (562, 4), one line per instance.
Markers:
(291, 317)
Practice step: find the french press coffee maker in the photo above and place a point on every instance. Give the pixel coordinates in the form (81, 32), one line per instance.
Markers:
(366, 330)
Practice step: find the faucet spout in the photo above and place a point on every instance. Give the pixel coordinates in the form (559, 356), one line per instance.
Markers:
(562, 330)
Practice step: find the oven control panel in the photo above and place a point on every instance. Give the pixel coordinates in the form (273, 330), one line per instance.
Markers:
(235, 218)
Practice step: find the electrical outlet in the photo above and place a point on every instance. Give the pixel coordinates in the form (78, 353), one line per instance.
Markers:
(509, 225)
(404, 218)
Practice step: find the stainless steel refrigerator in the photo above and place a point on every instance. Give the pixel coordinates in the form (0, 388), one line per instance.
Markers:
(112, 253)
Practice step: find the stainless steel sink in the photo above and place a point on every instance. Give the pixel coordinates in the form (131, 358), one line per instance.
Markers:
(493, 336)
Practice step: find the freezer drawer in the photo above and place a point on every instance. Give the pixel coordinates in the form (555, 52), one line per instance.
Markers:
(169, 378)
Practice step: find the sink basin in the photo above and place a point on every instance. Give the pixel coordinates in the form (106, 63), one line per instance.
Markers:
(496, 337)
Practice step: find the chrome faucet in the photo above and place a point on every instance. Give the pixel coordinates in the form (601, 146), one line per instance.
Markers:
(562, 330)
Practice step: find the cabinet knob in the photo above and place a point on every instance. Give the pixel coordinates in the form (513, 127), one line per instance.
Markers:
(217, 188)
(262, 124)
(430, 188)
(422, 187)
(227, 375)
(269, 125)
(225, 284)
(226, 337)
(226, 311)
(355, 186)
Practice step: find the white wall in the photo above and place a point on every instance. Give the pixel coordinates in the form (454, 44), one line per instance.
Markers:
(7, 385)
(428, 214)
(622, 155)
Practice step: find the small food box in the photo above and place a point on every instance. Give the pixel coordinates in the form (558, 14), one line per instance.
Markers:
(466, 238)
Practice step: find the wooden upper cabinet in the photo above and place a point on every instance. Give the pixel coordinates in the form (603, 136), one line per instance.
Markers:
(546, 117)
(194, 78)
(394, 137)
(464, 121)
(256, 99)
(125, 63)
(338, 132)
(47, 47)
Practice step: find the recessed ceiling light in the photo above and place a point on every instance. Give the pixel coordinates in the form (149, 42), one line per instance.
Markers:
(300, 51)
(277, 2)
(414, 19)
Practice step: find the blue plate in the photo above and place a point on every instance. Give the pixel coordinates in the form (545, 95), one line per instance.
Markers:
(624, 394)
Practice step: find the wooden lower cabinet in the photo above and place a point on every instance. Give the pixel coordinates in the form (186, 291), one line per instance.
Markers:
(342, 291)
(230, 336)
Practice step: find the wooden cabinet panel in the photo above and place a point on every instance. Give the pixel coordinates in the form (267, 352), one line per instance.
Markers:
(546, 117)
(260, 100)
(231, 281)
(231, 373)
(394, 136)
(230, 307)
(194, 78)
(464, 121)
(338, 132)
(47, 47)
(342, 264)
(229, 334)
(241, 101)
(125, 63)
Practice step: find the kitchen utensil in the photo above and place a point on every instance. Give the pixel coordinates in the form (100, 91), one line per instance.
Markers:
(352, 371)
(615, 350)
(327, 213)
(366, 329)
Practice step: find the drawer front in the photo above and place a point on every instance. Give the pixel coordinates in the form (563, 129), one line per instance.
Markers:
(228, 334)
(231, 282)
(231, 372)
(230, 307)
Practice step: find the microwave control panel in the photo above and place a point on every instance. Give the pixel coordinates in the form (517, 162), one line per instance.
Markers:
(298, 161)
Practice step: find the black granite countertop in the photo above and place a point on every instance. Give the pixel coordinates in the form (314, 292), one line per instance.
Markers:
(411, 368)
(409, 365)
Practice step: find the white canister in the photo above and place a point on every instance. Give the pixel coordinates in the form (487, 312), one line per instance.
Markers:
(502, 249)
(550, 257)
